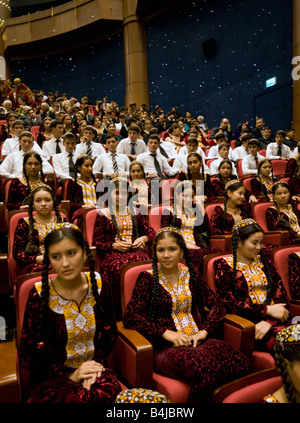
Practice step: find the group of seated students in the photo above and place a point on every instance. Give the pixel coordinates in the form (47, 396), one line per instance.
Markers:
(70, 327)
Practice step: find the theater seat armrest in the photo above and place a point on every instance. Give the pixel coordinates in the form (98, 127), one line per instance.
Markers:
(239, 333)
(134, 358)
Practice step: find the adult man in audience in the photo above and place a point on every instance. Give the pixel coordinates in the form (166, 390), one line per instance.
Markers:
(133, 145)
(225, 126)
(257, 132)
(46, 111)
(278, 150)
(290, 138)
(267, 137)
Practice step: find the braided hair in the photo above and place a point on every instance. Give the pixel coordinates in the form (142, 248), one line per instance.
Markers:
(189, 173)
(79, 162)
(31, 248)
(283, 354)
(232, 176)
(234, 185)
(260, 164)
(243, 233)
(151, 313)
(282, 221)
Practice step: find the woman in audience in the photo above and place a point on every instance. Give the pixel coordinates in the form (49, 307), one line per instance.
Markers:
(20, 188)
(249, 285)
(283, 215)
(65, 367)
(262, 184)
(120, 236)
(138, 182)
(28, 246)
(67, 123)
(287, 358)
(82, 190)
(235, 209)
(224, 175)
(192, 221)
(45, 132)
(167, 307)
(146, 129)
(175, 136)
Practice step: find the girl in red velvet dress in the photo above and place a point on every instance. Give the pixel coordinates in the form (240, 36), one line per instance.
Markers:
(69, 328)
(167, 307)
(262, 184)
(224, 175)
(28, 247)
(249, 285)
(194, 224)
(284, 215)
(234, 210)
(20, 188)
(120, 236)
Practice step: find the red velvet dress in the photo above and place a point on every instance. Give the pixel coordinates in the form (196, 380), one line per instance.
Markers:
(205, 367)
(243, 305)
(294, 275)
(223, 224)
(218, 187)
(201, 234)
(274, 225)
(208, 191)
(110, 261)
(50, 366)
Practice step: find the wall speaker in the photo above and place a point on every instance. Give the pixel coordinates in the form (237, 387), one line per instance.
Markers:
(209, 48)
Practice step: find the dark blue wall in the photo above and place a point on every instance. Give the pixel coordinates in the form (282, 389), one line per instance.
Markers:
(253, 41)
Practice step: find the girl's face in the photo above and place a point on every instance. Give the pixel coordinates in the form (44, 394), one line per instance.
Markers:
(47, 124)
(32, 167)
(194, 164)
(266, 169)
(67, 121)
(282, 196)
(136, 172)
(251, 247)
(43, 203)
(225, 170)
(168, 254)
(238, 196)
(67, 259)
(86, 169)
(185, 199)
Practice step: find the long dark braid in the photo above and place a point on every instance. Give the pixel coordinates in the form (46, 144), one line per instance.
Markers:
(281, 220)
(231, 186)
(38, 157)
(291, 353)
(243, 233)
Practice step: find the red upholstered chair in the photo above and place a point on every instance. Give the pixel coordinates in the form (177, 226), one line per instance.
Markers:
(279, 167)
(237, 331)
(249, 389)
(222, 241)
(271, 237)
(262, 152)
(209, 161)
(261, 360)
(167, 190)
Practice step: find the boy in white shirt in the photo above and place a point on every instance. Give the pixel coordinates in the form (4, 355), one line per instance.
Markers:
(223, 152)
(132, 146)
(250, 162)
(55, 144)
(277, 150)
(88, 146)
(112, 163)
(64, 163)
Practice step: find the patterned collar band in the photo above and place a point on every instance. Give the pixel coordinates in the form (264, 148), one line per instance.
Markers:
(63, 225)
(168, 229)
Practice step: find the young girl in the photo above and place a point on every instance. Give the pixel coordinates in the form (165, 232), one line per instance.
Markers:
(249, 285)
(287, 357)
(82, 190)
(234, 209)
(45, 133)
(262, 184)
(167, 307)
(139, 183)
(193, 223)
(120, 236)
(69, 329)
(283, 215)
(224, 175)
(20, 188)
(28, 247)
(195, 172)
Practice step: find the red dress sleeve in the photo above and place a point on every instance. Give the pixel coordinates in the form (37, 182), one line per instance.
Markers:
(20, 242)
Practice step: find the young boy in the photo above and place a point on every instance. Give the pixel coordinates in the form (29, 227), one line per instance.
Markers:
(112, 163)
(277, 150)
(250, 162)
(55, 144)
(64, 163)
(223, 152)
(88, 146)
(132, 146)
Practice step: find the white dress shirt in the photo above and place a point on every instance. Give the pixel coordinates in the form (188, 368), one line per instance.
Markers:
(11, 145)
(169, 149)
(49, 147)
(213, 153)
(272, 151)
(12, 165)
(104, 164)
(97, 149)
(60, 163)
(249, 165)
(239, 153)
(149, 167)
(181, 163)
(124, 146)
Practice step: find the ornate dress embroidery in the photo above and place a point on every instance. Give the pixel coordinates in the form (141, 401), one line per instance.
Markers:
(42, 229)
(268, 184)
(88, 192)
(187, 227)
(181, 302)
(80, 322)
(125, 225)
(256, 279)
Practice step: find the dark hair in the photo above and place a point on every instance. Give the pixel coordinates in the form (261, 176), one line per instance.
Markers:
(133, 163)
(192, 141)
(197, 155)
(79, 162)
(222, 145)
(232, 176)
(232, 187)
(282, 221)
(291, 353)
(26, 134)
(253, 141)
(69, 136)
(39, 159)
(260, 164)
(151, 313)
(281, 132)
(154, 137)
(31, 248)
(243, 233)
(18, 122)
(54, 123)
